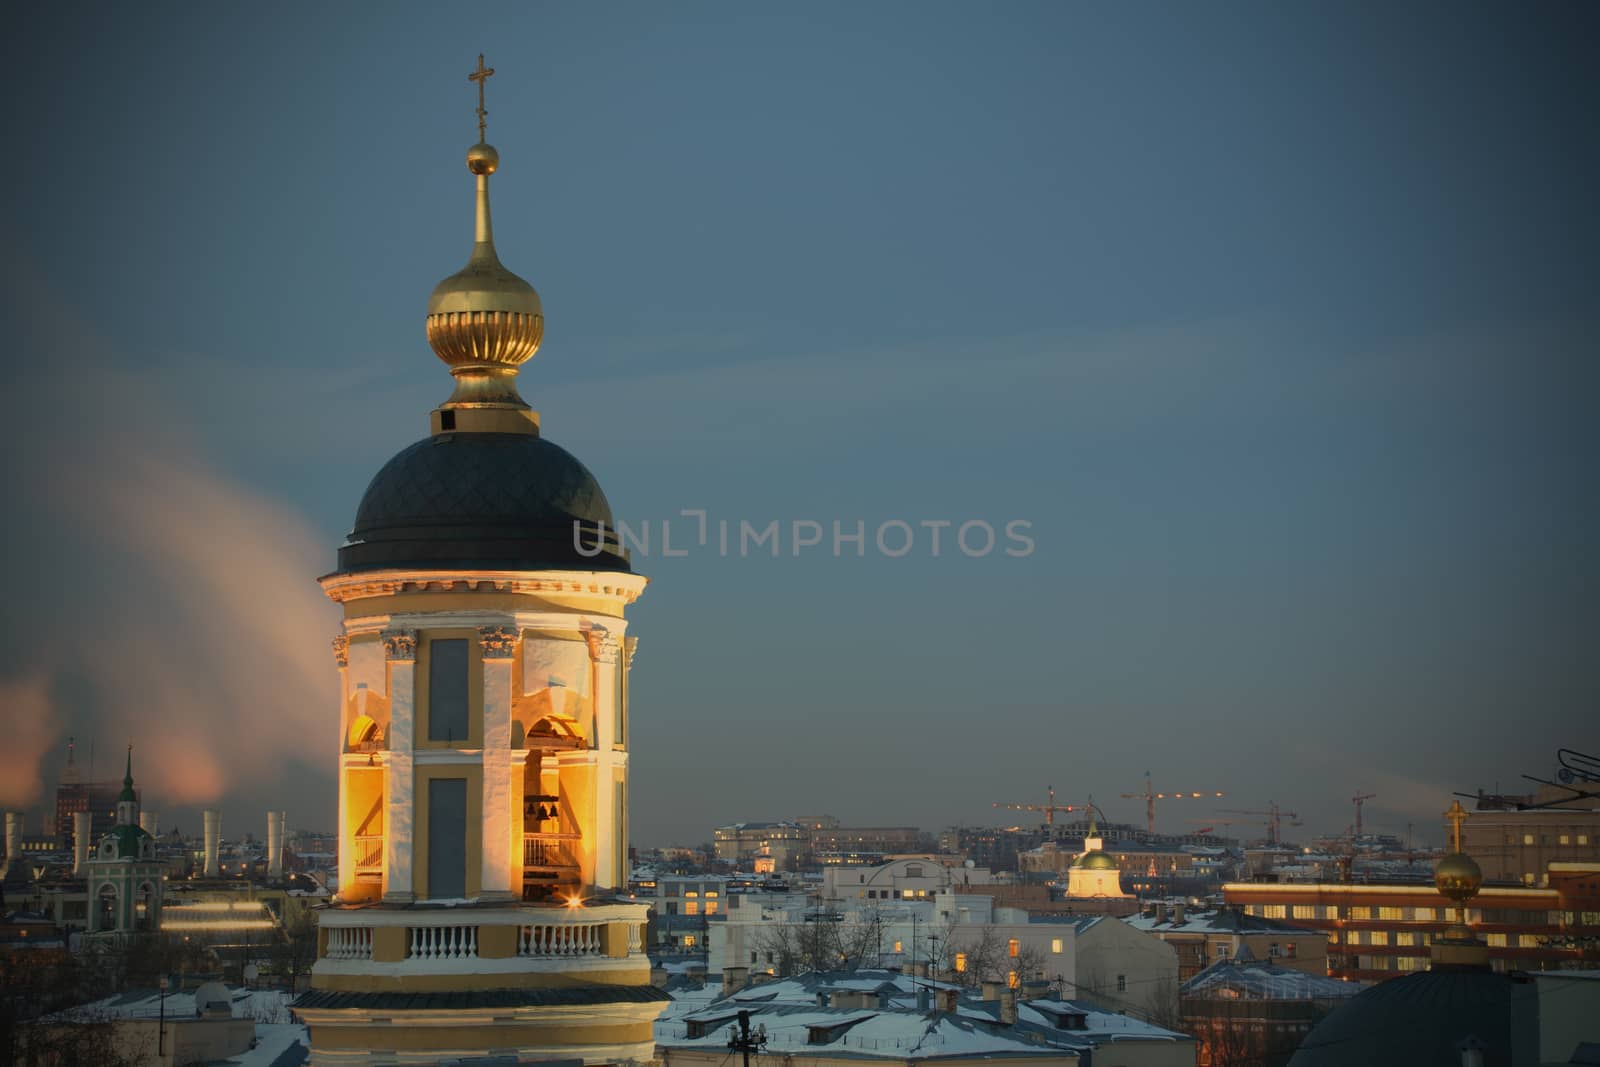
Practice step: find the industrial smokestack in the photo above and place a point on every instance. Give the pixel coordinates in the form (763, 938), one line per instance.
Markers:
(213, 868)
(148, 823)
(82, 827)
(13, 839)
(275, 821)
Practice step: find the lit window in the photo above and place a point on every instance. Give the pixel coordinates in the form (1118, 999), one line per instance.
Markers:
(1496, 940)
(688, 941)
(1011, 979)
(1527, 839)
(1305, 911)
(1527, 878)
(691, 907)
(1424, 914)
(961, 962)
(1566, 839)
(1055, 945)
(1013, 948)
(1378, 937)
(1391, 913)
(908, 893)
(711, 892)
(1274, 911)
(1405, 937)
(1583, 839)
(691, 892)
(711, 907)
(899, 946)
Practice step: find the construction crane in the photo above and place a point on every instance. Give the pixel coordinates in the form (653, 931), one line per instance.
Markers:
(1049, 808)
(1150, 796)
(1359, 799)
(1274, 816)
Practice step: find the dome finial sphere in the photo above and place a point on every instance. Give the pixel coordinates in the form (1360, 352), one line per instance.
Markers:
(483, 159)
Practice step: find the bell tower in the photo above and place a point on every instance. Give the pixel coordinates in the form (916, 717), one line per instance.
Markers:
(483, 724)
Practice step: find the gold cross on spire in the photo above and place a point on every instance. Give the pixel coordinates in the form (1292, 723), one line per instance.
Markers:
(1455, 817)
(480, 76)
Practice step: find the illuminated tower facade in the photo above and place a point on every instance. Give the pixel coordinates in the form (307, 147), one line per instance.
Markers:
(483, 726)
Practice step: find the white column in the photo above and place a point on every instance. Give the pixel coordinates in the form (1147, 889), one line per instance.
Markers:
(498, 644)
(607, 822)
(400, 647)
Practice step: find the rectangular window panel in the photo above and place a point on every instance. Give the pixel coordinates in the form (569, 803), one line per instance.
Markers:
(447, 690)
(447, 838)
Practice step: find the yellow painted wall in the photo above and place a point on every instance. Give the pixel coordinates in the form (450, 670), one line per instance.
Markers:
(632, 973)
(480, 1036)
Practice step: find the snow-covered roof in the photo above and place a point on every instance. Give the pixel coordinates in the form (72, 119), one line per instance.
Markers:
(1099, 1024)
(797, 1029)
(803, 989)
(1256, 980)
(269, 1004)
(1221, 921)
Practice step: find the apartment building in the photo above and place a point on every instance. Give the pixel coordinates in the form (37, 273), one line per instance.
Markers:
(1375, 932)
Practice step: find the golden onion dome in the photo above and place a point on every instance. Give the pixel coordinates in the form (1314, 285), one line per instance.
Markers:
(1097, 860)
(1458, 876)
(483, 317)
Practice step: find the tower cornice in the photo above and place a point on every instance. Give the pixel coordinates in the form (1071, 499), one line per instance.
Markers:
(341, 588)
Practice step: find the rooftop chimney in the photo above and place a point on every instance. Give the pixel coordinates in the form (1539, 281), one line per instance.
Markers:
(1161, 911)
(275, 820)
(82, 828)
(213, 867)
(13, 838)
(1008, 1007)
(1177, 912)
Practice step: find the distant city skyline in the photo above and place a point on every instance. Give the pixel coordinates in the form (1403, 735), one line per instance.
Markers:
(1276, 326)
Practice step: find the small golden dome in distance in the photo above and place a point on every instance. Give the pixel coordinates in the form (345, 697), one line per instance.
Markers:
(483, 159)
(1458, 876)
(1097, 861)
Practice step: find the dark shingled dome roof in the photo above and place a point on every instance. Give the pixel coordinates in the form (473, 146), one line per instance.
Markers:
(1416, 1021)
(491, 501)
